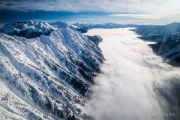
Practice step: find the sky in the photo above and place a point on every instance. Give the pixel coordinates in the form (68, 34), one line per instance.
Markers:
(119, 11)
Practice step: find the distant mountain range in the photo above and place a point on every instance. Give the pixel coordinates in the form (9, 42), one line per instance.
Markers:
(85, 27)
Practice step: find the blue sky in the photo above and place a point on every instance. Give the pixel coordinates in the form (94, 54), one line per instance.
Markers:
(119, 11)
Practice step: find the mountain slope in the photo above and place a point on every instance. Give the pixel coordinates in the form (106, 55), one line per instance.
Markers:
(167, 38)
(46, 76)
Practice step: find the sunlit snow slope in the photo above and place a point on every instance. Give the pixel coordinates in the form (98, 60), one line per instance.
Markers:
(45, 71)
(132, 85)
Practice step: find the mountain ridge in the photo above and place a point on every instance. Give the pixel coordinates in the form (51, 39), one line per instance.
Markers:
(51, 74)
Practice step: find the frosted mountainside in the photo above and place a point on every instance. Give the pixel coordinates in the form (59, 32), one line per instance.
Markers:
(167, 38)
(46, 76)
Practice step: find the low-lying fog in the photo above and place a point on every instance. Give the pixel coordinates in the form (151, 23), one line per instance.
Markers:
(126, 88)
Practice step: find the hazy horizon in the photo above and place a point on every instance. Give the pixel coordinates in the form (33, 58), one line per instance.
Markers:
(106, 11)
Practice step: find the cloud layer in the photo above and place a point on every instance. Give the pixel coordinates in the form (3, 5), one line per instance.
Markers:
(139, 9)
(114, 6)
(131, 74)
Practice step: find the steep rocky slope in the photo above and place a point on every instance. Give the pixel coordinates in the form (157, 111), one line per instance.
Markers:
(167, 38)
(46, 71)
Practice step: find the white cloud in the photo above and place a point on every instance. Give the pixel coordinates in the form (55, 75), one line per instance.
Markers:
(113, 6)
(135, 16)
(139, 9)
(125, 89)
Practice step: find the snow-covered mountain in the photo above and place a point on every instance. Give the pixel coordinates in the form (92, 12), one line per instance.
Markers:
(169, 49)
(46, 71)
(167, 38)
(30, 29)
(148, 30)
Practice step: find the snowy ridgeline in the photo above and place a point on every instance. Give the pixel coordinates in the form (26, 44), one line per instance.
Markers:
(46, 71)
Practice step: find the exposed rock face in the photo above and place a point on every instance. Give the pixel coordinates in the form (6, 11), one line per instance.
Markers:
(167, 38)
(169, 49)
(46, 70)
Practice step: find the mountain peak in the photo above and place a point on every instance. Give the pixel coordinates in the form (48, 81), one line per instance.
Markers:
(27, 29)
